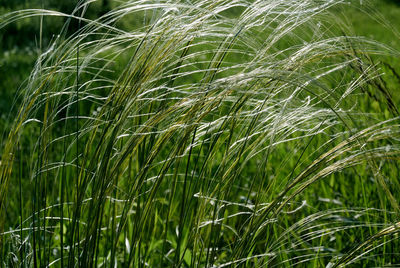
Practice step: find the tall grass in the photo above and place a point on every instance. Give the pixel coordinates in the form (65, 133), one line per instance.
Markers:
(203, 134)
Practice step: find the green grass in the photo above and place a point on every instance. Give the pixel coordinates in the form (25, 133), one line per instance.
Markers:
(204, 134)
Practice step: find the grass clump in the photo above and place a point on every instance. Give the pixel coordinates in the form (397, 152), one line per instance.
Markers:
(205, 134)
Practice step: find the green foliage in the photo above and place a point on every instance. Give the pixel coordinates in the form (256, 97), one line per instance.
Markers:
(202, 134)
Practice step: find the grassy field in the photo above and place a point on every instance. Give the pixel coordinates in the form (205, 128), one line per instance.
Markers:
(201, 134)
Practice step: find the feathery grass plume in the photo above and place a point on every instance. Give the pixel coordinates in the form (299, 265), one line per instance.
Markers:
(205, 134)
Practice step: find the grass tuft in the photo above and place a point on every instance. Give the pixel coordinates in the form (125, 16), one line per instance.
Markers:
(203, 134)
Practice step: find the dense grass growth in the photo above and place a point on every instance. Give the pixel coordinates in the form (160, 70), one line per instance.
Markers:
(203, 134)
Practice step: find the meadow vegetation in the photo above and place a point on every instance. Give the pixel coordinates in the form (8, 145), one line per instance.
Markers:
(202, 133)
